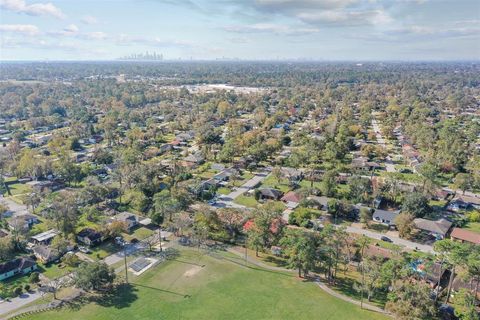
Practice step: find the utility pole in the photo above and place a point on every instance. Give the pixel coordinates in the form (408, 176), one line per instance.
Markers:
(246, 252)
(125, 261)
(160, 238)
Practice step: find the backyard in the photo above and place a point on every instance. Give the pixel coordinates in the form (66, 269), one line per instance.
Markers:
(197, 286)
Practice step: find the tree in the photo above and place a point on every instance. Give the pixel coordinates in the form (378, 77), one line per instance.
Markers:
(465, 305)
(96, 276)
(416, 204)
(371, 268)
(360, 188)
(232, 219)
(300, 247)
(277, 174)
(366, 215)
(65, 212)
(463, 181)
(428, 172)
(404, 224)
(411, 301)
(3, 185)
(329, 183)
(115, 228)
(6, 248)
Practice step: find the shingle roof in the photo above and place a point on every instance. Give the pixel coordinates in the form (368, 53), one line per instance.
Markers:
(440, 226)
(466, 235)
(19, 263)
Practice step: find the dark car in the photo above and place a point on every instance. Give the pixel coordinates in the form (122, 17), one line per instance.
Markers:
(386, 239)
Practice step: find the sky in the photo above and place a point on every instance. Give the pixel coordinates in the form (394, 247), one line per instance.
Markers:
(355, 30)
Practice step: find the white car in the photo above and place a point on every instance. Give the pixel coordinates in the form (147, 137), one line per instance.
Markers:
(84, 249)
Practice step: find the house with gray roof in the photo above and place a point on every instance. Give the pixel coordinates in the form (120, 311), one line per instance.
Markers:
(385, 217)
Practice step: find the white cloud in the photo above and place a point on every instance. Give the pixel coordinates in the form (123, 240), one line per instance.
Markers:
(284, 6)
(344, 17)
(27, 29)
(89, 20)
(71, 28)
(98, 35)
(34, 9)
(270, 28)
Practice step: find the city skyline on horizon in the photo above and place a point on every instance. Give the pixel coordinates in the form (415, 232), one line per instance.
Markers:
(250, 30)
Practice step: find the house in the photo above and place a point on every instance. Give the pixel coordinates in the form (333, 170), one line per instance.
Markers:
(43, 186)
(292, 174)
(269, 194)
(22, 222)
(89, 237)
(18, 266)
(437, 229)
(46, 254)
(385, 217)
(321, 201)
(463, 235)
(458, 283)
(194, 159)
(128, 218)
(44, 238)
(470, 201)
(291, 196)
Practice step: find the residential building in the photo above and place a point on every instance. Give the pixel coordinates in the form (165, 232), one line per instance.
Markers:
(18, 266)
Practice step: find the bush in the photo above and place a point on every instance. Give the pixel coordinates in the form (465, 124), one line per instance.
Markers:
(474, 216)
(302, 216)
(17, 291)
(34, 277)
(26, 287)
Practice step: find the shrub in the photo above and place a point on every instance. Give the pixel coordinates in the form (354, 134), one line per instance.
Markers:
(17, 291)
(34, 277)
(474, 216)
(26, 287)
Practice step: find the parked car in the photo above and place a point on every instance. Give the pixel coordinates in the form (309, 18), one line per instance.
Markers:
(84, 249)
(386, 239)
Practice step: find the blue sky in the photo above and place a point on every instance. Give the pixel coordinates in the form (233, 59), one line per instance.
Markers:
(245, 29)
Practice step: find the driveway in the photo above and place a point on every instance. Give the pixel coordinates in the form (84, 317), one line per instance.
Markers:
(16, 208)
(226, 201)
(396, 240)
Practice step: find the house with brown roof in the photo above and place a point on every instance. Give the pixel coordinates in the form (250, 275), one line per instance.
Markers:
(437, 229)
(463, 235)
(291, 196)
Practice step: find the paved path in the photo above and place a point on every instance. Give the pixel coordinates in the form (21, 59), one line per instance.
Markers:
(238, 251)
(16, 303)
(396, 240)
(389, 166)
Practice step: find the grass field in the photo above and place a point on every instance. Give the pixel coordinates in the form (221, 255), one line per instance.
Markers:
(246, 201)
(473, 226)
(203, 287)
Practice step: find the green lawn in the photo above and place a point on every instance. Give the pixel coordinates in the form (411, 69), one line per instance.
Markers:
(103, 250)
(246, 201)
(19, 188)
(272, 182)
(53, 270)
(139, 234)
(473, 226)
(223, 190)
(202, 287)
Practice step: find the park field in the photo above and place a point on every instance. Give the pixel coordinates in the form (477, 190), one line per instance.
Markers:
(218, 286)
